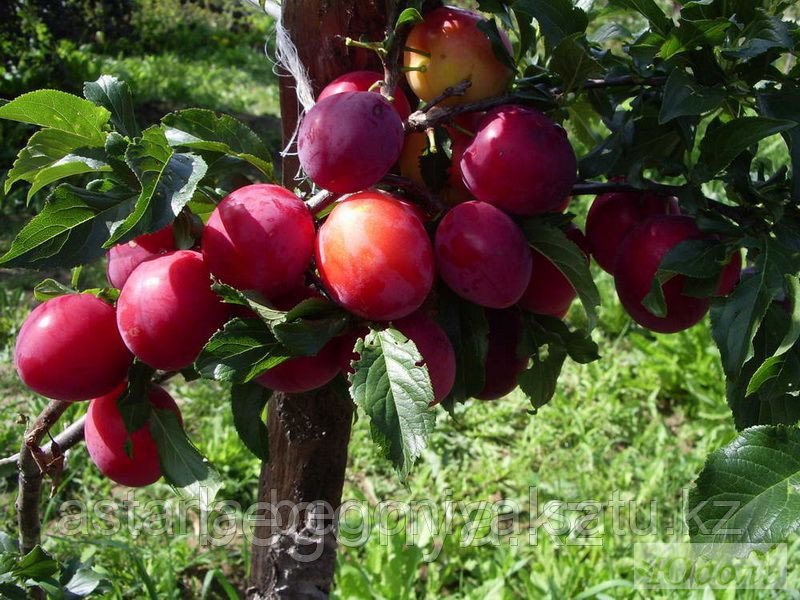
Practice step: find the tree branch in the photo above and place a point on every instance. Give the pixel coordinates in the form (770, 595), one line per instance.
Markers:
(33, 463)
(391, 63)
(424, 119)
(64, 441)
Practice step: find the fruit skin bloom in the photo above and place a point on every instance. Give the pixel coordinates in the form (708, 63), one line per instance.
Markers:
(69, 349)
(349, 141)
(374, 257)
(457, 50)
(520, 161)
(260, 237)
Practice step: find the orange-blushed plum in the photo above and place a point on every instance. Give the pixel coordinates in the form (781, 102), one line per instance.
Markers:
(435, 348)
(636, 265)
(106, 439)
(519, 161)
(613, 215)
(414, 146)
(549, 292)
(69, 349)
(304, 373)
(260, 237)
(374, 257)
(482, 255)
(362, 81)
(503, 361)
(167, 312)
(124, 258)
(454, 49)
(349, 141)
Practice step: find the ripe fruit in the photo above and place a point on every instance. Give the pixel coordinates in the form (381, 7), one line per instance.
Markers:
(549, 292)
(106, 437)
(436, 350)
(503, 362)
(374, 257)
(260, 237)
(167, 311)
(362, 81)
(69, 349)
(613, 215)
(349, 141)
(304, 373)
(456, 50)
(520, 161)
(482, 255)
(124, 258)
(637, 262)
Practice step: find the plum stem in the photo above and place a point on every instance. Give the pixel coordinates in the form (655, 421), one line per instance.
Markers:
(429, 202)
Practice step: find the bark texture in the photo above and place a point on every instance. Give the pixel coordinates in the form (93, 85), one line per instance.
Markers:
(294, 553)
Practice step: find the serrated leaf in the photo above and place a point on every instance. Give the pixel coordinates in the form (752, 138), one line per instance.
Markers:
(70, 230)
(539, 382)
(749, 491)
(183, 466)
(723, 144)
(35, 565)
(50, 288)
(683, 96)
(764, 33)
(689, 35)
(240, 351)
(134, 403)
(567, 258)
(247, 403)
(168, 181)
(501, 53)
(573, 63)
(556, 18)
(394, 392)
(650, 10)
(61, 111)
(542, 329)
(735, 319)
(200, 129)
(409, 16)
(115, 96)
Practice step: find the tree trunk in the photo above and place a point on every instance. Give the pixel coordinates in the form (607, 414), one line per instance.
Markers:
(294, 555)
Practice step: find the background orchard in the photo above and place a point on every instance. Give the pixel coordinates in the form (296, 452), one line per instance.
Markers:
(642, 419)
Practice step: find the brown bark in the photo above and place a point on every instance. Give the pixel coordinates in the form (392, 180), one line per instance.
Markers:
(309, 432)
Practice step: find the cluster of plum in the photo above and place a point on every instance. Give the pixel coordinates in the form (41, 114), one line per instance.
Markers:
(376, 254)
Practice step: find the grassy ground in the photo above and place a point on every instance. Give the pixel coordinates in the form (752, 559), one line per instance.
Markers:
(631, 429)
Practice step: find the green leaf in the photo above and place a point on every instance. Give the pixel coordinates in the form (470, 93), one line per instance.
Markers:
(749, 491)
(723, 144)
(409, 16)
(683, 96)
(735, 319)
(248, 402)
(52, 155)
(394, 392)
(573, 63)
(70, 230)
(240, 351)
(764, 33)
(567, 258)
(542, 329)
(650, 10)
(468, 330)
(50, 288)
(183, 466)
(115, 96)
(691, 34)
(61, 111)
(539, 382)
(785, 104)
(36, 565)
(204, 130)
(557, 19)
(83, 582)
(134, 403)
(489, 27)
(168, 182)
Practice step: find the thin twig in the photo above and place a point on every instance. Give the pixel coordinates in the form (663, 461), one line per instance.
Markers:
(454, 90)
(431, 203)
(423, 119)
(65, 440)
(320, 201)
